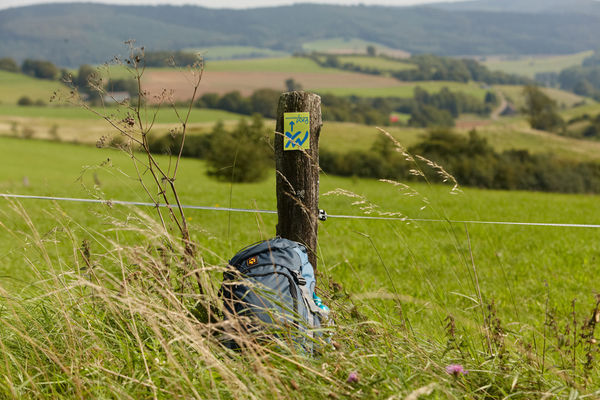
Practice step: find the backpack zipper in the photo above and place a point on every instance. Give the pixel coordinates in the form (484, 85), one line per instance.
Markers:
(297, 275)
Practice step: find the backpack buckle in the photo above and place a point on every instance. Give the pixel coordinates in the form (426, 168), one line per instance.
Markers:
(299, 278)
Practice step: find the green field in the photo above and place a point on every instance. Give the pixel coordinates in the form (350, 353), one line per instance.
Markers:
(563, 99)
(432, 269)
(99, 301)
(274, 63)
(13, 86)
(324, 45)
(381, 63)
(506, 134)
(235, 52)
(164, 116)
(406, 89)
(76, 124)
(53, 169)
(79, 125)
(280, 64)
(529, 66)
(345, 45)
(590, 108)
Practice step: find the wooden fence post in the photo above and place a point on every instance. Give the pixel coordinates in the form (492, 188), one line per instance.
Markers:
(297, 171)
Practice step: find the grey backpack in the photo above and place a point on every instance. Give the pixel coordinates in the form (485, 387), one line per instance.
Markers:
(272, 283)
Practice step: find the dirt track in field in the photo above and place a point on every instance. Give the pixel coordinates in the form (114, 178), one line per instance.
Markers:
(180, 83)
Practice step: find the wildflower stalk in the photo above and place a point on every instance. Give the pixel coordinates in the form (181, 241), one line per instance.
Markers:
(136, 127)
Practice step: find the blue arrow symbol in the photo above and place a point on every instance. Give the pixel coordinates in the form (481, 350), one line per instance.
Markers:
(291, 137)
(299, 141)
(292, 126)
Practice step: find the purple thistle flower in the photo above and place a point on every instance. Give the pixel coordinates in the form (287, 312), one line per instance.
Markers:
(456, 370)
(352, 377)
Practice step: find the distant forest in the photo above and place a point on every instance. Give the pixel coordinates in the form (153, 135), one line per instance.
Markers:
(73, 34)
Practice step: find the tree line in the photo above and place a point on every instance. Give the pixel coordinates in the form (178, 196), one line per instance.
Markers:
(542, 113)
(471, 161)
(428, 67)
(44, 69)
(583, 80)
(426, 109)
(41, 69)
(87, 79)
(245, 154)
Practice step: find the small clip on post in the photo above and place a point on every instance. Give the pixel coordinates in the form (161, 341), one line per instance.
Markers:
(322, 215)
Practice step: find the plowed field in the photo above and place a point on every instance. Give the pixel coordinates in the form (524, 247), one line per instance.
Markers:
(248, 81)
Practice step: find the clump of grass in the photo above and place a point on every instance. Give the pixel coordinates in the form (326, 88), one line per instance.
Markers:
(118, 320)
(134, 312)
(116, 316)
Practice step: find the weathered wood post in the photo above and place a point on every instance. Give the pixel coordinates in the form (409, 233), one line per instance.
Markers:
(297, 168)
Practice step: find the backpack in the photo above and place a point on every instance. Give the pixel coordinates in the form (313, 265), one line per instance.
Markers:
(272, 283)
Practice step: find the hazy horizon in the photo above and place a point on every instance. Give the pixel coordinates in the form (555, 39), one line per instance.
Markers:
(239, 4)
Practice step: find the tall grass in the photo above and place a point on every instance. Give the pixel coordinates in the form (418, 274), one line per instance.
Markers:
(115, 320)
(132, 311)
(119, 315)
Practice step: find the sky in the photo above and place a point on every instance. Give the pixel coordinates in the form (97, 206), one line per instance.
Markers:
(226, 3)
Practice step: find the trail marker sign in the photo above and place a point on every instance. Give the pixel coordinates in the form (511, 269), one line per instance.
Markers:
(297, 131)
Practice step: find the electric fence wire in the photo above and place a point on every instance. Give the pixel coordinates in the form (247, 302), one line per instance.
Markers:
(249, 210)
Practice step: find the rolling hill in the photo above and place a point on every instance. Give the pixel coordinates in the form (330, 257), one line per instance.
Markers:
(77, 33)
(529, 6)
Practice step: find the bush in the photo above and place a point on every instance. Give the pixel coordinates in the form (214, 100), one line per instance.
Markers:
(25, 101)
(39, 69)
(291, 85)
(471, 161)
(425, 115)
(123, 85)
(241, 155)
(27, 132)
(542, 111)
(234, 102)
(8, 64)
(196, 146)
(208, 100)
(264, 102)
(169, 58)
(53, 132)
(84, 74)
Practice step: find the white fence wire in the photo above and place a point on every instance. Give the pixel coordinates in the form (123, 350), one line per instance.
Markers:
(248, 210)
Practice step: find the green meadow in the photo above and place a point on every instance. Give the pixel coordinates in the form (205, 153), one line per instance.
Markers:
(502, 135)
(83, 126)
(406, 89)
(563, 256)
(381, 63)
(531, 65)
(565, 100)
(337, 43)
(280, 64)
(100, 300)
(273, 63)
(236, 52)
(165, 115)
(431, 266)
(14, 86)
(348, 45)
